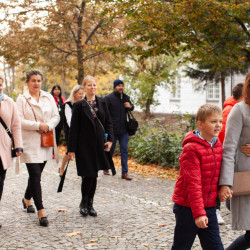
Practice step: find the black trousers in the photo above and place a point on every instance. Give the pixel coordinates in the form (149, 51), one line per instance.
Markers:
(34, 189)
(2, 178)
(88, 187)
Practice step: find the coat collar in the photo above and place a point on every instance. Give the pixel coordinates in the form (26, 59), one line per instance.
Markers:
(32, 100)
(87, 111)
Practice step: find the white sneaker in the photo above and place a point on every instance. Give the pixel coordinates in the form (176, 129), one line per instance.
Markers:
(219, 218)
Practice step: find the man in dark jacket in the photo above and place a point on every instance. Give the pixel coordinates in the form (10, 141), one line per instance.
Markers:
(118, 104)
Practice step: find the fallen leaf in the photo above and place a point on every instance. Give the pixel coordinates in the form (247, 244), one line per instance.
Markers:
(74, 234)
(115, 236)
(91, 245)
(161, 225)
(93, 241)
(145, 245)
(62, 210)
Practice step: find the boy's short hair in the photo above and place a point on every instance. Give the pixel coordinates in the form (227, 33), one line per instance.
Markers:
(205, 110)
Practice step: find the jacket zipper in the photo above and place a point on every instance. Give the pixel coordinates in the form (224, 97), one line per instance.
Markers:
(212, 177)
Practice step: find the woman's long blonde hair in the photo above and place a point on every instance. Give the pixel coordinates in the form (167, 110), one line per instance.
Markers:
(73, 91)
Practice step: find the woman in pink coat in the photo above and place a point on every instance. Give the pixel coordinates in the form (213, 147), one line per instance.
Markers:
(9, 115)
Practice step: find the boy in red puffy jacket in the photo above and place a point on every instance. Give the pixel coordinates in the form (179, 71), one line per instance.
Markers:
(196, 188)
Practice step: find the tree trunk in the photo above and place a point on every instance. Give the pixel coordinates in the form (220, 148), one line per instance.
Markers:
(147, 108)
(13, 78)
(223, 97)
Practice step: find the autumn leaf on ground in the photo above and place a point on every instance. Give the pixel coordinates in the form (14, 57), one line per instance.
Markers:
(62, 210)
(91, 245)
(145, 245)
(93, 241)
(161, 225)
(115, 236)
(74, 234)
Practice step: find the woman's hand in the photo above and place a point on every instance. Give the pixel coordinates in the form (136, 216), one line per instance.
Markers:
(246, 149)
(108, 144)
(43, 127)
(224, 193)
(71, 155)
(18, 153)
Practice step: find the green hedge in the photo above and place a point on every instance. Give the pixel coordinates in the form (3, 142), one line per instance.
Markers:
(153, 143)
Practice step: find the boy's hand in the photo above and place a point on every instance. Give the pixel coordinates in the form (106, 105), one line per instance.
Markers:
(201, 222)
(224, 193)
(246, 149)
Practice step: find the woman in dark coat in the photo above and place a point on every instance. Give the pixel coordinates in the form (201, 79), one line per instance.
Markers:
(90, 120)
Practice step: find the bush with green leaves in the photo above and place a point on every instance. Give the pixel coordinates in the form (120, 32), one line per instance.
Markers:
(153, 143)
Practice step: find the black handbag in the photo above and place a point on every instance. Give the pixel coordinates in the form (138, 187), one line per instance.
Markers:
(132, 124)
(13, 150)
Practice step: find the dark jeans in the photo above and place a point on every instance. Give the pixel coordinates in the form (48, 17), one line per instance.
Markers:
(2, 178)
(88, 187)
(241, 243)
(186, 230)
(34, 189)
(123, 141)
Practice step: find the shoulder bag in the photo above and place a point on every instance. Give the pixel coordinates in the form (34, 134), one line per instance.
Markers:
(47, 138)
(131, 123)
(13, 150)
(241, 183)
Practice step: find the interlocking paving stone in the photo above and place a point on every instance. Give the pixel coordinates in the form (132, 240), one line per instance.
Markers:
(133, 214)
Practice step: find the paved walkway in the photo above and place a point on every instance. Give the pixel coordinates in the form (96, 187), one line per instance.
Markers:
(131, 215)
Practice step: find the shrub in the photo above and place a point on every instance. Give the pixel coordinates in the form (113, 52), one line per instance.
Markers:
(153, 143)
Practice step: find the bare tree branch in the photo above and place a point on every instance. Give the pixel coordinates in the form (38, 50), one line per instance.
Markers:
(92, 55)
(94, 30)
(242, 26)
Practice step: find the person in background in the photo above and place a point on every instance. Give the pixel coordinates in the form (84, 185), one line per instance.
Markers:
(9, 115)
(75, 96)
(56, 92)
(118, 104)
(39, 114)
(89, 123)
(196, 188)
(236, 159)
(228, 105)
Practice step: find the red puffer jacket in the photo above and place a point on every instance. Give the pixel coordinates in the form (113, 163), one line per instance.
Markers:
(200, 164)
(228, 105)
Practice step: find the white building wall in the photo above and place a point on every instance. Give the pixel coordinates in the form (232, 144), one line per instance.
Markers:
(190, 99)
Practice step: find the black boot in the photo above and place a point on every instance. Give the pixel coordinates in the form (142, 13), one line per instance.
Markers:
(92, 211)
(84, 207)
(239, 244)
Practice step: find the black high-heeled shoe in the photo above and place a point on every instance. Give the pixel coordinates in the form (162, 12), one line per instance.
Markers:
(30, 209)
(44, 222)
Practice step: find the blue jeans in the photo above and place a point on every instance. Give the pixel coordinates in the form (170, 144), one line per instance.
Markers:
(186, 230)
(123, 141)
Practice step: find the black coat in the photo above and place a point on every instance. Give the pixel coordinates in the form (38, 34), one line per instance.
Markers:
(117, 111)
(83, 139)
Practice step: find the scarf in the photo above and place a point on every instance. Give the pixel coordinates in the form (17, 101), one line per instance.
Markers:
(1, 96)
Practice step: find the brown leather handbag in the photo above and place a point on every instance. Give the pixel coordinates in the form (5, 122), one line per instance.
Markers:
(47, 139)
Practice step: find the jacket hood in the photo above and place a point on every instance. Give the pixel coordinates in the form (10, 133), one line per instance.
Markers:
(230, 101)
(191, 137)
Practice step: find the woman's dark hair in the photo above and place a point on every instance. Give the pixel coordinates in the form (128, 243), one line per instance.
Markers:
(32, 73)
(246, 89)
(54, 87)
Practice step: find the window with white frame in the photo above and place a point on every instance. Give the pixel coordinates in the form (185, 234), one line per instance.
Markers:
(176, 89)
(213, 91)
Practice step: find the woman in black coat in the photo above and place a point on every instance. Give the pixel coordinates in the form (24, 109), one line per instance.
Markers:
(90, 121)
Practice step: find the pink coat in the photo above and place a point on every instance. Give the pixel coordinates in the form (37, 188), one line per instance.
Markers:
(9, 114)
